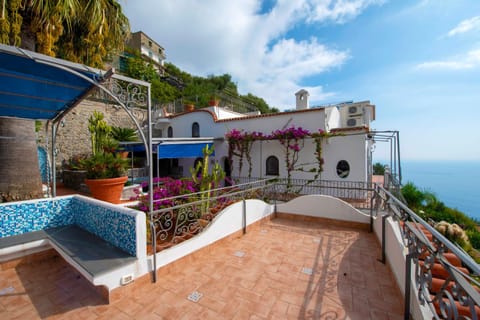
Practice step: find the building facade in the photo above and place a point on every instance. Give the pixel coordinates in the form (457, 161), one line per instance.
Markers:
(347, 154)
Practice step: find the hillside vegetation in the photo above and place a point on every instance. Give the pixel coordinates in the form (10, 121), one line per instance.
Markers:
(176, 84)
(428, 206)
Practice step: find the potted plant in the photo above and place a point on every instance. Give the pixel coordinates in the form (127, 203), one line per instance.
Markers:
(121, 134)
(106, 175)
(106, 170)
(213, 101)
(189, 106)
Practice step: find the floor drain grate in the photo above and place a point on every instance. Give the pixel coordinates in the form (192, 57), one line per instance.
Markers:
(239, 254)
(316, 240)
(308, 271)
(7, 291)
(263, 231)
(195, 296)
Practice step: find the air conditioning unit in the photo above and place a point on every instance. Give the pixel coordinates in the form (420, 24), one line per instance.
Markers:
(352, 110)
(352, 122)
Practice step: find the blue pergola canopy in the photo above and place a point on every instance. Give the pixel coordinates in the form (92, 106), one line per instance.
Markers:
(35, 86)
(181, 150)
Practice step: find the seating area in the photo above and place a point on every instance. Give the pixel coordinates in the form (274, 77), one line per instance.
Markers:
(99, 240)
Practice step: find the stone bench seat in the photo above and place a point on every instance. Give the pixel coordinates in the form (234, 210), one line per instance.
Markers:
(87, 252)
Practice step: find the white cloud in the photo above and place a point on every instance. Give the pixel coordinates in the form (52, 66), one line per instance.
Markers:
(217, 36)
(465, 26)
(338, 11)
(467, 61)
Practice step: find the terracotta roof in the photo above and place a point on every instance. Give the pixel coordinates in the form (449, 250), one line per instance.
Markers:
(265, 115)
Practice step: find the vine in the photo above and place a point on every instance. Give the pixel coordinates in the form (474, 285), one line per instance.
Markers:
(293, 141)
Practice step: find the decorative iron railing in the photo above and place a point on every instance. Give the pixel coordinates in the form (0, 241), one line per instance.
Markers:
(179, 218)
(358, 194)
(456, 296)
(446, 278)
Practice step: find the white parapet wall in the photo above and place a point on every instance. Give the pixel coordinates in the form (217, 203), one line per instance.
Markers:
(322, 206)
(227, 222)
(396, 253)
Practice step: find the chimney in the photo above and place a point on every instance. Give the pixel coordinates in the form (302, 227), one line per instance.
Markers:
(302, 99)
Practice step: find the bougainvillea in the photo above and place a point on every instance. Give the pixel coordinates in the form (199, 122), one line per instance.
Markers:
(292, 139)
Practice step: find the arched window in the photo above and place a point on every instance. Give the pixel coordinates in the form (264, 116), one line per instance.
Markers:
(195, 130)
(343, 168)
(170, 132)
(272, 166)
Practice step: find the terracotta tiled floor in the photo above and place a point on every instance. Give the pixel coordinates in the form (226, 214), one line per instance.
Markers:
(271, 280)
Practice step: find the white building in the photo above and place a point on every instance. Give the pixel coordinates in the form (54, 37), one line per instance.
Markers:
(347, 156)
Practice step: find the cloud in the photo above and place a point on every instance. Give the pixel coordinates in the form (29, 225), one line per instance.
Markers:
(465, 26)
(246, 41)
(468, 61)
(338, 11)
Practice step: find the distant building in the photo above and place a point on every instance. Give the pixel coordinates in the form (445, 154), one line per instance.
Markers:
(148, 48)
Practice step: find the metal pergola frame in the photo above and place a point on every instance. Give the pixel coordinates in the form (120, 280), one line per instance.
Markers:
(124, 91)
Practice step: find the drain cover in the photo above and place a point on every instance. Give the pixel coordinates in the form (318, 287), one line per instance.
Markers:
(263, 231)
(316, 240)
(195, 296)
(7, 290)
(239, 254)
(308, 271)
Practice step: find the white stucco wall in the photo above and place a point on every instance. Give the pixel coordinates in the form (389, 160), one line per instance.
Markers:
(349, 147)
(324, 207)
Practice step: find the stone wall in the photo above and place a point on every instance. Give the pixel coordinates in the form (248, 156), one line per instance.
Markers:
(73, 137)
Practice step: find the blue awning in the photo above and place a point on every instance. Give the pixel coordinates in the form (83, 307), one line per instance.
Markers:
(35, 86)
(182, 150)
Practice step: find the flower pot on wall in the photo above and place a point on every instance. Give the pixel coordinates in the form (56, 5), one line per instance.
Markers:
(108, 190)
(189, 107)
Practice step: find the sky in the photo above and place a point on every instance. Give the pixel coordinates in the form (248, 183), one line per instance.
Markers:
(417, 61)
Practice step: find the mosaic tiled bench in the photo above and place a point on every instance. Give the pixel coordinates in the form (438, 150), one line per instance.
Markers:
(97, 238)
(79, 247)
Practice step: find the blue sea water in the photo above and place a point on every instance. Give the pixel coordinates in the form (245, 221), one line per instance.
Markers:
(455, 183)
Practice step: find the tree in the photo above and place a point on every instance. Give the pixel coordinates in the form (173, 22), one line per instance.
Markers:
(19, 173)
(86, 31)
(378, 169)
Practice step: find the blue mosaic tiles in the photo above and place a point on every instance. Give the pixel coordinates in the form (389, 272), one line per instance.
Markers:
(115, 227)
(21, 217)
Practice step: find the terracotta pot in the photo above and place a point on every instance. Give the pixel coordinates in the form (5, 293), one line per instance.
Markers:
(189, 107)
(124, 154)
(108, 190)
(213, 103)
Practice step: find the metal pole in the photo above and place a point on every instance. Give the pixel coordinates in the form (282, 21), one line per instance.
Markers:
(384, 238)
(371, 211)
(54, 169)
(399, 166)
(150, 183)
(408, 276)
(244, 216)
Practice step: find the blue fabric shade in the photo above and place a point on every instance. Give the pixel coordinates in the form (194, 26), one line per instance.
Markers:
(182, 150)
(32, 85)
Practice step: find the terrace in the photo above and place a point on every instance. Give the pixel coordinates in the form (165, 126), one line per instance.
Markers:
(259, 258)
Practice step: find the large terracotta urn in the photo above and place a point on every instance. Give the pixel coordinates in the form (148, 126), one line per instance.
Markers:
(108, 190)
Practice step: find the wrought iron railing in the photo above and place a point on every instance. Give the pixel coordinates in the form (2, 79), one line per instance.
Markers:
(453, 296)
(179, 218)
(358, 194)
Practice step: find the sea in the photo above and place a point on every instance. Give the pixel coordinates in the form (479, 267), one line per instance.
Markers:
(455, 183)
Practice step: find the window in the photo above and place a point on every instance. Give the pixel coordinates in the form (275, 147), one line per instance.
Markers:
(195, 130)
(272, 166)
(150, 43)
(170, 132)
(343, 169)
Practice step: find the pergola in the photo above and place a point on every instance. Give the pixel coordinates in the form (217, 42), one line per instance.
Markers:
(38, 87)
